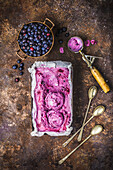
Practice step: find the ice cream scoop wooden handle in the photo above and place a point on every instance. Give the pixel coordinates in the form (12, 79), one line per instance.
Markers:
(100, 79)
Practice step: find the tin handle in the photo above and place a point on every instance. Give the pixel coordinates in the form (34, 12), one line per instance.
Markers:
(22, 58)
(47, 19)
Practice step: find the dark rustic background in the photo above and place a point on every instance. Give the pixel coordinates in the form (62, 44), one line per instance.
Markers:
(89, 19)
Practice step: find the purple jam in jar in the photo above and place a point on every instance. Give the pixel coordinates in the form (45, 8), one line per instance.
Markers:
(75, 44)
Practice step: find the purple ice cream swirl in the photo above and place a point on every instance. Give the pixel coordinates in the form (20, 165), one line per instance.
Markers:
(55, 119)
(75, 44)
(54, 100)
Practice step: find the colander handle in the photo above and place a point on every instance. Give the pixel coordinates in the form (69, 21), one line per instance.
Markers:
(47, 19)
(22, 58)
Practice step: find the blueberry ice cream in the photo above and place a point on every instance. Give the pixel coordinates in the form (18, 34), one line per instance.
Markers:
(52, 113)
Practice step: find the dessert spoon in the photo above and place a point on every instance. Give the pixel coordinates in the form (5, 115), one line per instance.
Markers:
(97, 111)
(91, 94)
(96, 130)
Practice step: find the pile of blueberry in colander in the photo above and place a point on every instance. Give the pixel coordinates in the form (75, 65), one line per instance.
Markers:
(35, 39)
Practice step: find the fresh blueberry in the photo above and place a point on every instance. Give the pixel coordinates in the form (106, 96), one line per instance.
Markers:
(23, 31)
(39, 44)
(25, 26)
(64, 29)
(38, 48)
(32, 33)
(43, 48)
(30, 38)
(27, 53)
(21, 73)
(19, 61)
(15, 66)
(39, 54)
(20, 68)
(25, 50)
(34, 54)
(46, 50)
(35, 36)
(39, 32)
(39, 27)
(31, 43)
(39, 36)
(45, 36)
(34, 47)
(42, 39)
(48, 38)
(29, 29)
(31, 53)
(27, 47)
(35, 33)
(44, 42)
(45, 30)
(29, 33)
(43, 52)
(20, 43)
(40, 24)
(26, 35)
(45, 45)
(21, 64)
(60, 41)
(24, 40)
(17, 79)
(67, 34)
(35, 27)
(37, 41)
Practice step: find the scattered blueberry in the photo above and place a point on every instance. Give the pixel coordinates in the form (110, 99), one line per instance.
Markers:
(17, 79)
(67, 34)
(15, 66)
(19, 61)
(20, 68)
(60, 41)
(21, 73)
(21, 64)
(64, 29)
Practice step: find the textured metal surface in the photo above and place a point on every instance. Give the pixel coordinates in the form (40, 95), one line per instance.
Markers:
(89, 20)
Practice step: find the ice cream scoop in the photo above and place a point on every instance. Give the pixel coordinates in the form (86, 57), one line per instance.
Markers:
(75, 44)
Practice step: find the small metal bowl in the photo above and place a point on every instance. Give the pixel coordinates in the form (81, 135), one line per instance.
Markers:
(45, 24)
